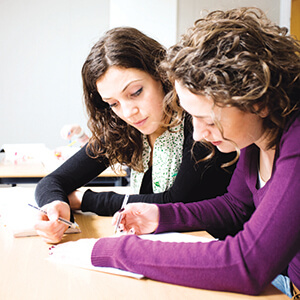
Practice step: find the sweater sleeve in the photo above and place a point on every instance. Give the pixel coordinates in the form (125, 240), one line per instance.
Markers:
(194, 182)
(77, 171)
(245, 263)
(226, 213)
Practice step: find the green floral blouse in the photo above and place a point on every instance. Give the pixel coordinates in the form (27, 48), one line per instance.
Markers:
(167, 157)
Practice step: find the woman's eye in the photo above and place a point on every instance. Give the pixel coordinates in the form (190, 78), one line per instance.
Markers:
(138, 92)
(112, 105)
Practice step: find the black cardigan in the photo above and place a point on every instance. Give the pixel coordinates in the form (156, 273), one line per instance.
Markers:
(194, 181)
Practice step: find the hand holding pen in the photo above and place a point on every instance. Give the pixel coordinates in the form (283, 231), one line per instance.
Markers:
(48, 225)
(137, 218)
(70, 224)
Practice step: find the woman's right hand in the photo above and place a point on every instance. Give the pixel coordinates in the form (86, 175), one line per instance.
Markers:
(48, 226)
(138, 218)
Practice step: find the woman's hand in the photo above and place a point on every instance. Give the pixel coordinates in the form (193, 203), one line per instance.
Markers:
(75, 199)
(48, 226)
(138, 218)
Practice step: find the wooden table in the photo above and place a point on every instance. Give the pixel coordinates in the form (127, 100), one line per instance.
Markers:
(32, 171)
(26, 274)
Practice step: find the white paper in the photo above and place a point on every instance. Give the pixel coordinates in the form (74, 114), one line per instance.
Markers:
(164, 237)
(17, 215)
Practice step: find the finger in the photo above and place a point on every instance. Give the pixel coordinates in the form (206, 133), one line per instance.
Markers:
(51, 240)
(115, 218)
(50, 229)
(52, 214)
(132, 230)
(121, 212)
(52, 237)
(122, 232)
(42, 225)
(121, 227)
(38, 217)
(59, 209)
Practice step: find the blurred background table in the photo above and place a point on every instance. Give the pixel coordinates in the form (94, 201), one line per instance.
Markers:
(29, 163)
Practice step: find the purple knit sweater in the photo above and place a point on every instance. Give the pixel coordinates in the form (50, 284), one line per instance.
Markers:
(246, 263)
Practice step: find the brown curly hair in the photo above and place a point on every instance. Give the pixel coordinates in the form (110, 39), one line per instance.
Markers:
(124, 47)
(239, 58)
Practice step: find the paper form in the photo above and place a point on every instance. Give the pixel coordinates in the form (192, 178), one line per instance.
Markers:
(164, 237)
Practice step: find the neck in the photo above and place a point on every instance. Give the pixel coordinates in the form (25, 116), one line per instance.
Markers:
(152, 137)
(266, 159)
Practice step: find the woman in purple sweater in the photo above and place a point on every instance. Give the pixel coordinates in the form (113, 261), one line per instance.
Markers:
(237, 74)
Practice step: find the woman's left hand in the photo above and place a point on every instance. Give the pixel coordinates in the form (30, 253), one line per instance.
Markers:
(137, 218)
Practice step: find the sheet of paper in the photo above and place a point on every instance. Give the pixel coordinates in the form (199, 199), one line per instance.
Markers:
(176, 237)
(16, 214)
(164, 237)
(74, 262)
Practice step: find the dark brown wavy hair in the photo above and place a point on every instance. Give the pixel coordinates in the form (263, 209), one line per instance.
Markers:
(239, 58)
(124, 47)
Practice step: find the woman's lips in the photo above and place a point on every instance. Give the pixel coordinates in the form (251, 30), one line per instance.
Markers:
(140, 123)
(216, 143)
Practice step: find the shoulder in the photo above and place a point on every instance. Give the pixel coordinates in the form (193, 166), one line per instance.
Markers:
(291, 130)
(290, 142)
(293, 124)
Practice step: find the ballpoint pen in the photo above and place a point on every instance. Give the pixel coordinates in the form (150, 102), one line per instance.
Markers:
(120, 215)
(72, 225)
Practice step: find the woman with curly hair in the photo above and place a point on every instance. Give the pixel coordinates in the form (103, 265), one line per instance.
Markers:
(237, 74)
(124, 90)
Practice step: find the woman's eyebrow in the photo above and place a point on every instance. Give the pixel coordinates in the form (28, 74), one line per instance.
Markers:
(105, 99)
(129, 83)
(203, 117)
(124, 89)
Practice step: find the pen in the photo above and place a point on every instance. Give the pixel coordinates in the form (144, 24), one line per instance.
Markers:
(120, 215)
(72, 225)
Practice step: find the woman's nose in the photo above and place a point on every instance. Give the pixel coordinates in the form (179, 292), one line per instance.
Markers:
(200, 130)
(198, 136)
(129, 110)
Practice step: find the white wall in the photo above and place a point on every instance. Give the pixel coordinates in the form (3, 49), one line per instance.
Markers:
(43, 44)
(191, 10)
(167, 20)
(156, 18)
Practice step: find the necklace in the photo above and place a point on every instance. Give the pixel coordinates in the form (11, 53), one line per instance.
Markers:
(261, 177)
(265, 165)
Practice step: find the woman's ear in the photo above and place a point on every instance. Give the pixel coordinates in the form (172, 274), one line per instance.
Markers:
(264, 112)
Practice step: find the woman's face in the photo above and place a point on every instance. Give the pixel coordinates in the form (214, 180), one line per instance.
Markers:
(135, 97)
(243, 128)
